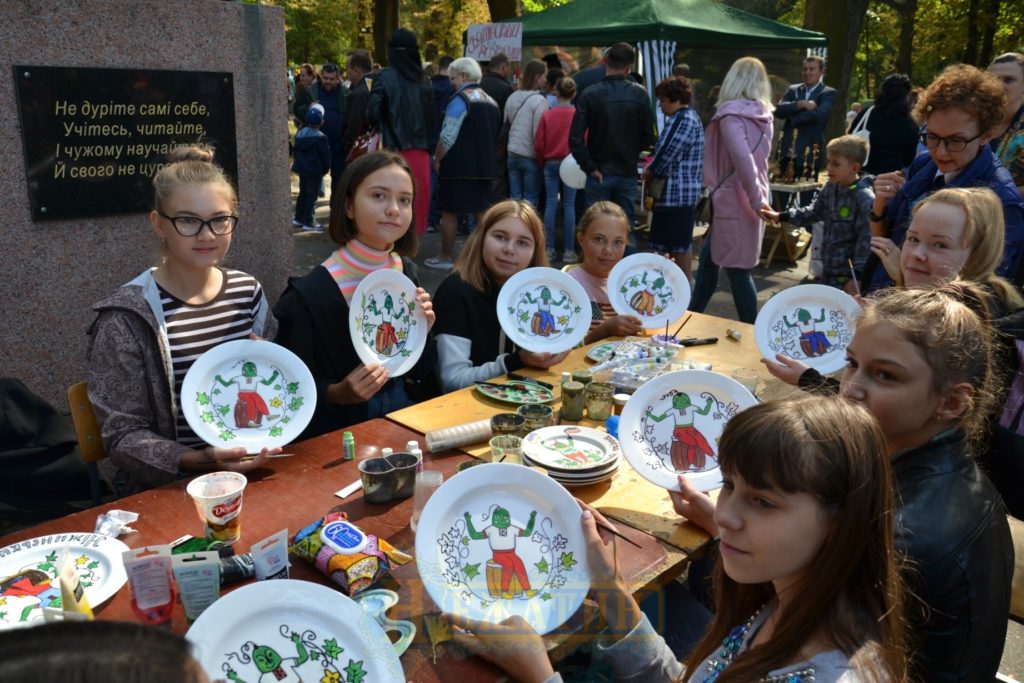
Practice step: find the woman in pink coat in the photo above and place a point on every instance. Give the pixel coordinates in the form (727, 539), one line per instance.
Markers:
(738, 140)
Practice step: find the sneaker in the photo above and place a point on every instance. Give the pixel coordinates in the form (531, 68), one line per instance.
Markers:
(296, 224)
(570, 256)
(316, 227)
(438, 262)
(552, 255)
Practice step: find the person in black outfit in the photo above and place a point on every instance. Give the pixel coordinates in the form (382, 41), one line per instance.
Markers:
(495, 80)
(893, 133)
(358, 66)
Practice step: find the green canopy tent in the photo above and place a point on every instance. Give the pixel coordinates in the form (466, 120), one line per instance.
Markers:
(692, 23)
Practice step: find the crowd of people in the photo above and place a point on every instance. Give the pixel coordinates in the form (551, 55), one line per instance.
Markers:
(862, 530)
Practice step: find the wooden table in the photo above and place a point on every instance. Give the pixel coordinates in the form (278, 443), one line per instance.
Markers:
(626, 496)
(294, 492)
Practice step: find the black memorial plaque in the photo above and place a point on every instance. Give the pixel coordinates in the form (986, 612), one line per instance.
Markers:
(94, 138)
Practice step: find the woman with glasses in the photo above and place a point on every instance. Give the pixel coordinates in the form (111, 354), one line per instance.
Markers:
(148, 333)
(960, 111)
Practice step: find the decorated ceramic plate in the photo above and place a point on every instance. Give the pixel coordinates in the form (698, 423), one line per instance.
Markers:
(503, 540)
(571, 449)
(601, 352)
(519, 393)
(544, 310)
(28, 574)
(812, 323)
(672, 424)
(649, 287)
(248, 393)
(290, 630)
(386, 322)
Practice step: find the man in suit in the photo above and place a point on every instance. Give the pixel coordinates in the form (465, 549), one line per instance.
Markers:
(805, 108)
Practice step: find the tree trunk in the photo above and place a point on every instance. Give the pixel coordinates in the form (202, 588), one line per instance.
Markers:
(385, 21)
(843, 31)
(988, 32)
(971, 48)
(503, 9)
(907, 10)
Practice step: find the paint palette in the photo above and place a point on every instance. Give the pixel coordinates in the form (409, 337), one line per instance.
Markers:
(672, 424)
(248, 393)
(602, 352)
(500, 540)
(288, 630)
(544, 310)
(649, 287)
(28, 574)
(386, 322)
(811, 323)
(519, 393)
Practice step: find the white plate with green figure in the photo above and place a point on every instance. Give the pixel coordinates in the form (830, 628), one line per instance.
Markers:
(672, 425)
(248, 393)
(28, 574)
(289, 630)
(500, 540)
(544, 310)
(649, 287)
(567, 448)
(387, 324)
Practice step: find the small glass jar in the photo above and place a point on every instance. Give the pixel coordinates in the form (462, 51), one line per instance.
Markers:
(573, 400)
(620, 402)
(599, 400)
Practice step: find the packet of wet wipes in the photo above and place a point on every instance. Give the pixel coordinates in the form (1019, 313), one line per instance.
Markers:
(270, 556)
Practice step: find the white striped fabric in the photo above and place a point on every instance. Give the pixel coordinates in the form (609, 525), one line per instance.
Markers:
(656, 61)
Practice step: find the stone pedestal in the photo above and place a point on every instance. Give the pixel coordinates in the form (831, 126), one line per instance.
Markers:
(51, 272)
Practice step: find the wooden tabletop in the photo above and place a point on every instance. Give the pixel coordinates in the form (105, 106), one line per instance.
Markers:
(627, 497)
(293, 492)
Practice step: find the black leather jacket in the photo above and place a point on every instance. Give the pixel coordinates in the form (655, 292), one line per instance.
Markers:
(617, 114)
(403, 110)
(951, 525)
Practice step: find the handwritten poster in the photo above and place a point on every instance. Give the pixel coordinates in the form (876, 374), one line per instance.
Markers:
(483, 41)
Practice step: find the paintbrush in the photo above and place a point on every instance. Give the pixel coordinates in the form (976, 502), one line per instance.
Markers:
(853, 276)
(686, 320)
(524, 378)
(613, 532)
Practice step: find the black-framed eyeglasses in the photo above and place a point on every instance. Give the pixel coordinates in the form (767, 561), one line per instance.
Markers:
(953, 144)
(190, 226)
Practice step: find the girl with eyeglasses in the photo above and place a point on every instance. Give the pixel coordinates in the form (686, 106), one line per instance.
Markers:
(148, 333)
(960, 111)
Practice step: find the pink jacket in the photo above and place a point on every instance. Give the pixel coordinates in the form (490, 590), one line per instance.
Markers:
(738, 141)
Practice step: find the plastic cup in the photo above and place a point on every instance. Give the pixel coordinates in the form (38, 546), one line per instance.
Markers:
(748, 378)
(508, 449)
(427, 482)
(218, 499)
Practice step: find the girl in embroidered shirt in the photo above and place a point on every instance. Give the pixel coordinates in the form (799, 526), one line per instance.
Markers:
(807, 586)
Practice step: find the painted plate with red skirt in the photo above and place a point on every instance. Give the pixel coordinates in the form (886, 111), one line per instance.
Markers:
(248, 393)
(672, 425)
(387, 324)
(649, 287)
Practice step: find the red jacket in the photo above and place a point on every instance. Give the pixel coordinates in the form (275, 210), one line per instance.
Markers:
(551, 141)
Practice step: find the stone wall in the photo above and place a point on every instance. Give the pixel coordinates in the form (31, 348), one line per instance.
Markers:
(51, 272)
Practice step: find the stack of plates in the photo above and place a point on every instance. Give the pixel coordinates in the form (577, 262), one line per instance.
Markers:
(572, 456)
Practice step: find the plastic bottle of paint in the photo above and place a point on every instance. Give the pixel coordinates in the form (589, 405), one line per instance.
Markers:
(348, 445)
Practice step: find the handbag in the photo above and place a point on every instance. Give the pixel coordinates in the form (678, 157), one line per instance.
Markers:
(861, 131)
(367, 143)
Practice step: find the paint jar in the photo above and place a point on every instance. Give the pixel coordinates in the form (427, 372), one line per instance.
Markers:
(584, 377)
(599, 400)
(620, 402)
(507, 423)
(537, 415)
(573, 400)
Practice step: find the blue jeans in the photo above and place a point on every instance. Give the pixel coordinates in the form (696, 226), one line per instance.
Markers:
(305, 203)
(523, 178)
(741, 282)
(552, 183)
(619, 189)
